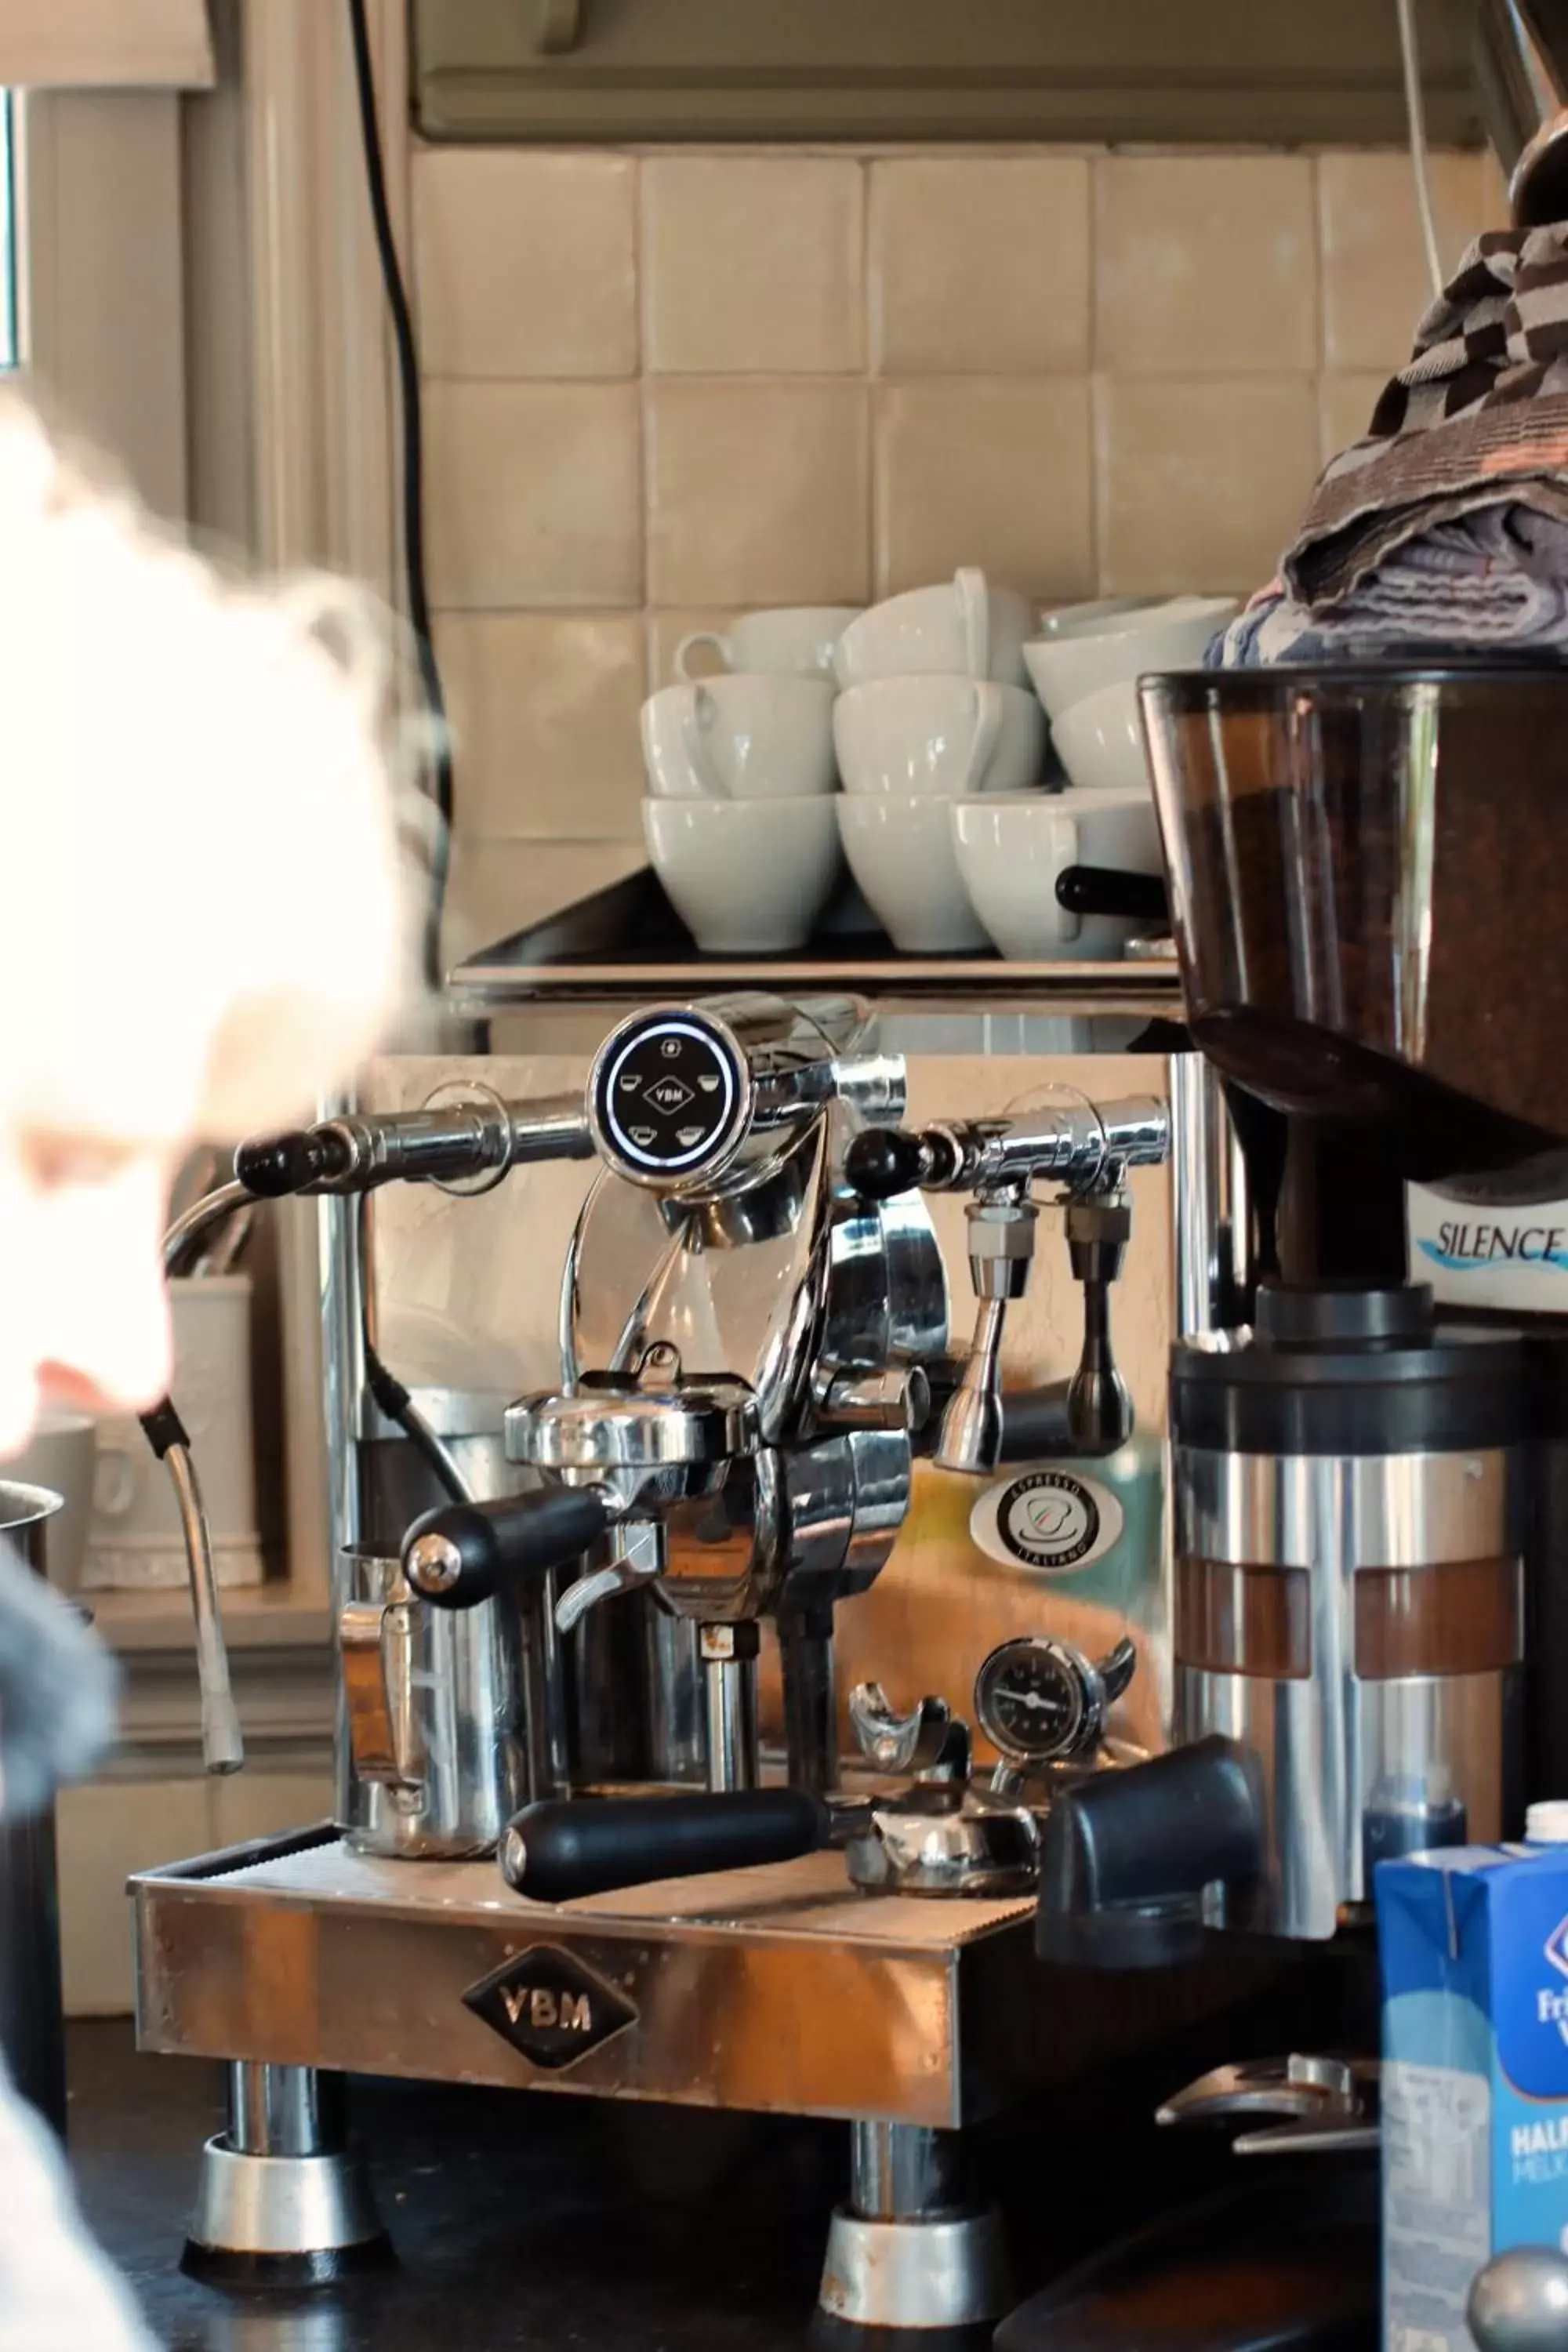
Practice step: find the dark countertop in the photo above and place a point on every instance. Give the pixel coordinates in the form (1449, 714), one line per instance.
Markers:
(524, 2222)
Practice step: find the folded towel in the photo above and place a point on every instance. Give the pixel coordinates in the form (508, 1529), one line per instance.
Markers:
(1447, 525)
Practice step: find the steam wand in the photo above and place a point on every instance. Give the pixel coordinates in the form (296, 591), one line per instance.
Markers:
(466, 1137)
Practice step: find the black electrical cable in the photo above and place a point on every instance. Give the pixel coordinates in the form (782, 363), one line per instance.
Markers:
(413, 462)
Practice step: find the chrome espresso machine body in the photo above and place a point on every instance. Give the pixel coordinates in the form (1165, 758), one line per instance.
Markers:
(597, 1832)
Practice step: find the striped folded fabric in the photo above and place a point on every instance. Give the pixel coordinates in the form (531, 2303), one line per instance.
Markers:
(1447, 525)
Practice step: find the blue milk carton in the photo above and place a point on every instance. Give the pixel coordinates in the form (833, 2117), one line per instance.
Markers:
(1474, 1944)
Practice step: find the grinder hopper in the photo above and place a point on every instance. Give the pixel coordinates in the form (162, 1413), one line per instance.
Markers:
(1369, 899)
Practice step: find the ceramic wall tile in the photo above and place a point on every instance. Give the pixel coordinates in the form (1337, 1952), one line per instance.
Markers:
(996, 473)
(980, 267)
(498, 886)
(534, 494)
(1345, 406)
(1204, 264)
(544, 720)
(526, 263)
(758, 494)
(754, 265)
(1204, 479)
(1375, 282)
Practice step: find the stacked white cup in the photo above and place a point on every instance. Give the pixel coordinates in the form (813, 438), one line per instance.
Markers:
(1013, 849)
(935, 711)
(739, 816)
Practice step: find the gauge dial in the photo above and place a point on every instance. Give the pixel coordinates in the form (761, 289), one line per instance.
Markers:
(1034, 1699)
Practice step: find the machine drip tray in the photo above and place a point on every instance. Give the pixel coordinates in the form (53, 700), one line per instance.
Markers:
(775, 1990)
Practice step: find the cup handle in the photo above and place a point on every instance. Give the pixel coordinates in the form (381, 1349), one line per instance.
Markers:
(113, 1479)
(1064, 853)
(988, 714)
(689, 645)
(695, 718)
(975, 606)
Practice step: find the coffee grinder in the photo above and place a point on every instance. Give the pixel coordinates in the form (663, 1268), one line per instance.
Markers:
(1364, 1490)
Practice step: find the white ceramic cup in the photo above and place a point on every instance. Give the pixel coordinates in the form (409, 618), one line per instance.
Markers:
(1068, 620)
(1082, 658)
(1099, 741)
(60, 1454)
(943, 735)
(744, 738)
(1012, 848)
(793, 638)
(965, 628)
(746, 878)
(901, 853)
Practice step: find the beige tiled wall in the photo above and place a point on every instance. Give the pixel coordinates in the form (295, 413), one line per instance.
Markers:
(666, 386)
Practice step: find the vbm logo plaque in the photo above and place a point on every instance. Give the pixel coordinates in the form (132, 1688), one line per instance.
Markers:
(552, 2008)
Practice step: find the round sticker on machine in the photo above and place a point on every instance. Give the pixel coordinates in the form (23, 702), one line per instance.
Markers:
(1053, 1521)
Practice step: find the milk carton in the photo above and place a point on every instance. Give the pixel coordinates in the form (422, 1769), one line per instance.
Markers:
(1474, 1943)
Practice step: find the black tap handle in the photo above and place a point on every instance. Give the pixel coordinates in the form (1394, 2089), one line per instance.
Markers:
(460, 1553)
(559, 1850)
(1036, 1422)
(273, 1166)
(1109, 891)
(884, 1161)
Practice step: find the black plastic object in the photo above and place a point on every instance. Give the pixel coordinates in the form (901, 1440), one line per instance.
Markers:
(163, 1428)
(1341, 1369)
(883, 1162)
(1264, 2267)
(560, 1850)
(1111, 890)
(1397, 1825)
(501, 1542)
(1126, 1856)
(273, 1166)
(1036, 1422)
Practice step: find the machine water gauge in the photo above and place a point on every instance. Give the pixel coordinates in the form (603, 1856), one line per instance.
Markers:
(1041, 1702)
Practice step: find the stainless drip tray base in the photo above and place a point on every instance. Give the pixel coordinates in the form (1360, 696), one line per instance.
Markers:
(777, 1989)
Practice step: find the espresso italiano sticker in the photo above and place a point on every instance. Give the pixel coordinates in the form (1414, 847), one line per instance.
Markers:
(1053, 1521)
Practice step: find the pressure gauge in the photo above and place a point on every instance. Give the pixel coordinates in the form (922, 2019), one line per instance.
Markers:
(1039, 1702)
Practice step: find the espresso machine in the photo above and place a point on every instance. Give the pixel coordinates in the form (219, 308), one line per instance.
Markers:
(607, 1824)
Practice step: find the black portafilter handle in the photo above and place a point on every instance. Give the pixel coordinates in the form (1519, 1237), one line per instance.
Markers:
(1111, 891)
(461, 1553)
(560, 1849)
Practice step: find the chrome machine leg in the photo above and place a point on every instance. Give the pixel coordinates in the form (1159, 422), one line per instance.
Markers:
(909, 2251)
(281, 2199)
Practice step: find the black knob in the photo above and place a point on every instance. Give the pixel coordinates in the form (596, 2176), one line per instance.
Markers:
(272, 1166)
(460, 1553)
(883, 1162)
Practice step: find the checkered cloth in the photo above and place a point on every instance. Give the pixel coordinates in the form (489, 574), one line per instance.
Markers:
(1448, 524)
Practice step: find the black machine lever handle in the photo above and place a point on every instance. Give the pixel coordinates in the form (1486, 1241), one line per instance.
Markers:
(559, 1850)
(1111, 890)
(461, 1553)
(1126, 1858)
